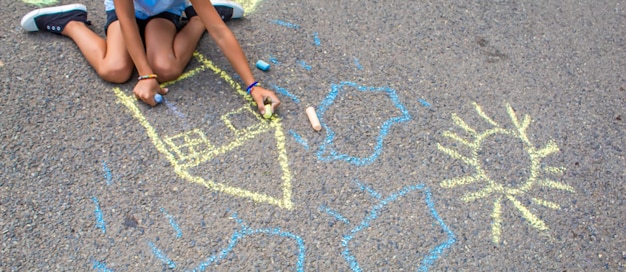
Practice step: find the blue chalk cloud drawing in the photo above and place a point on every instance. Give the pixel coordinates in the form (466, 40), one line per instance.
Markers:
(433, 254)
(328, 153)
(240, 234)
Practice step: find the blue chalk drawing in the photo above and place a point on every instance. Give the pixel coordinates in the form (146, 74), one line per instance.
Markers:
(358, 64)
(108, 177)
(335, 214)
(286, 93)
(99, 218)
(424, 103)
(285, 24)
(100, 266)
(247, 231)
(274, 60)
(304, 65)
(330, 134)
(173, 108)
(316, 39)
(299, 139)
(369, 190)
(159, 254)
(179, 232)
(376, 210)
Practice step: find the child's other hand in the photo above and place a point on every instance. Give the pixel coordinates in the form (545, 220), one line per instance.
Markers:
(146, 89)
(260, 94)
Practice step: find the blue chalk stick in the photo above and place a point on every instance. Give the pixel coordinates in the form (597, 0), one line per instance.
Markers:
(262, 65)
(158, 98)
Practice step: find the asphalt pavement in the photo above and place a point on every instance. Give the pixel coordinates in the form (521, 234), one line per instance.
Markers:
(456, 136)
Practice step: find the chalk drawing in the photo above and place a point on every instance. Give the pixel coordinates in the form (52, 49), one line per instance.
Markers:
(286, 93)
(326, 147)
(192, 148)
(433, 255)
(161, 256)
(99, 217)
(172, 107)
(285, 24)
(358, 64)
(299, 139)
(304, 65)
(40, 3)
(335, 214)
(316, 39)
(495, 189)
(245, 231)
(424, 103)
(274, 60)
(108, 177)
(170, 218)
(100, 266)
(249, 6)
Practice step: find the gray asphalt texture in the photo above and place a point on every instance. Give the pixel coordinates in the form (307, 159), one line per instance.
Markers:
(458, 136)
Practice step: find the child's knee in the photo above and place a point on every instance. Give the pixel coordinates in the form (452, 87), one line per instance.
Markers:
(166, 70)
(116, 73)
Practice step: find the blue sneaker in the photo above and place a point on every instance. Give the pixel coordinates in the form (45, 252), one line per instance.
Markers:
(227, 10)
(54, 19)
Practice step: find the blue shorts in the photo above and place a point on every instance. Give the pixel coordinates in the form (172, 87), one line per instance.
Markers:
(175, 19)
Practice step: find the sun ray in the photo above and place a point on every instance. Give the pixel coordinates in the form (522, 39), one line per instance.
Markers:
(456, 155)
(546, 203)
(482, 114)
(528, 215)
(550, 148)
(555, 185)
(458, 138)
(554, 170)
(496, 225)
(459, 122)
(460, 181)
(497, 190)
(476, 195)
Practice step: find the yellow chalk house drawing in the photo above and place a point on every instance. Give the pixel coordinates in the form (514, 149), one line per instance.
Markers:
(191, 148)
(493, 188)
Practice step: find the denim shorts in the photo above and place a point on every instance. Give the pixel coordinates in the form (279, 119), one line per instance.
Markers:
(175, 19)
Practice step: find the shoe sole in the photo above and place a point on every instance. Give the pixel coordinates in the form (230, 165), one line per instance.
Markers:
(237, 9)
(28, 21)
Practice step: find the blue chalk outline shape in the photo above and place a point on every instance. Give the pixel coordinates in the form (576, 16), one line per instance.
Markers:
(330, 134)
(247, 231)
(433, 254)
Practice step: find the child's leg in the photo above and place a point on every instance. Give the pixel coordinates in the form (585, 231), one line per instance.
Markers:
(108, 57)
(168, 50)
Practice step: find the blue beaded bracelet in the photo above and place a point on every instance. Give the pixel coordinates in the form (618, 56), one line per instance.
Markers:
(249, 89)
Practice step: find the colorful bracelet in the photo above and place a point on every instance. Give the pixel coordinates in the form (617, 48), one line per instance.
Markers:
(249, 89)
(147, 76)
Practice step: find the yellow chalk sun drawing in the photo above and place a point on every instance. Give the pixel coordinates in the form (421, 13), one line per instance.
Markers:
(497, 189)
(191, 148)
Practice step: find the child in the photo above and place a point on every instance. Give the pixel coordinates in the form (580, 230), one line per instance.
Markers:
(147, 35)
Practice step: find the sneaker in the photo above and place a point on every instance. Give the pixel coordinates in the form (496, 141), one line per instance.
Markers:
(54, 19)
(225, 8)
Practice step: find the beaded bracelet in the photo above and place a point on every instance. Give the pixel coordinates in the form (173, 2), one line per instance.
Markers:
(249, 89)
(147, 76)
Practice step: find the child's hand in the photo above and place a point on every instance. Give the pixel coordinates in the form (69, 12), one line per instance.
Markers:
(146, 89)
(260, 94)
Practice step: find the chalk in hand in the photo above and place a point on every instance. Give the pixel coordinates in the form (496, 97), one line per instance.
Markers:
(315, 123)
(262, 65)
(268, 111)
(158, 98)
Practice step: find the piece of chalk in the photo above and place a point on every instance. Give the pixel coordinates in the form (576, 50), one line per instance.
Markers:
(158, 98)
(262, 65)
(268, 111)
(315, 123)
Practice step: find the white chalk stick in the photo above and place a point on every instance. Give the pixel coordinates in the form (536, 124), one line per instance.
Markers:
(315, 123)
